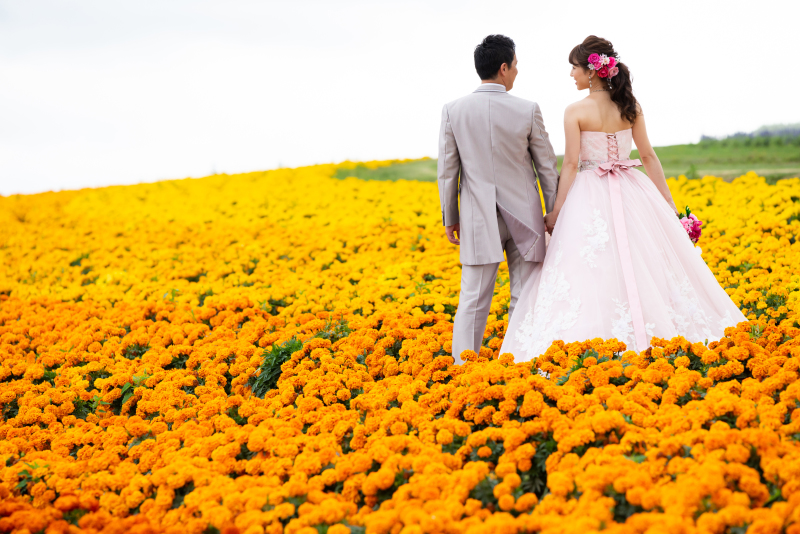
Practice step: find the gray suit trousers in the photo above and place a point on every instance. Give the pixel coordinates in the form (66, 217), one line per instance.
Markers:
(477, 289)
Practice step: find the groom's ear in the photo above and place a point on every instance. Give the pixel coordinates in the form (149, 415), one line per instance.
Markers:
(509, 66)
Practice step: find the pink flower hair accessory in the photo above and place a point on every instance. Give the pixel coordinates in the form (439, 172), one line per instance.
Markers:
(605, 66)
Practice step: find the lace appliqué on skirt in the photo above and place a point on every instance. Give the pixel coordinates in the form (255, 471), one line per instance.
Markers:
(596, 232)
(542, 325)
(726, 321)
(685, 311)
(622, 327)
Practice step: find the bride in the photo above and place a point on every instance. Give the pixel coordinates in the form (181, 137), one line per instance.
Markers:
(619, 263)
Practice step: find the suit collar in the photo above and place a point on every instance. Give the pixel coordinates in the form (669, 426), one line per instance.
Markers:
(491, 88)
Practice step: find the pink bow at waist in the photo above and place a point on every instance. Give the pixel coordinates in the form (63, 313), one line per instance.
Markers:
(611, 169)
(615, 165)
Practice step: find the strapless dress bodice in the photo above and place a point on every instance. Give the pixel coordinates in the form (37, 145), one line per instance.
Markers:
(600, 147)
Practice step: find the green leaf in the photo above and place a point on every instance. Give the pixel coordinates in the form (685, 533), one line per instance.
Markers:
(270, 368)
(636, 457)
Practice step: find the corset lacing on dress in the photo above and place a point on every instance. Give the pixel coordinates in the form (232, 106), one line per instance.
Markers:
(613, 147)
(613, 155)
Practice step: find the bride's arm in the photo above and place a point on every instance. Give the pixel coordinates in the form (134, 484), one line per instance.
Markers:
(569, 169)
(650, 160)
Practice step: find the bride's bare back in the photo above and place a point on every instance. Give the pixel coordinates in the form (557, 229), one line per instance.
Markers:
(598, 113)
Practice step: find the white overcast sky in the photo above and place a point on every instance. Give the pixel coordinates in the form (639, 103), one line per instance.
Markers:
(107, 92)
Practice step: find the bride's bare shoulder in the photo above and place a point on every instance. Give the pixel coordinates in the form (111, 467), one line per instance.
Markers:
(580, 112)
(576, 108)
(585, 105)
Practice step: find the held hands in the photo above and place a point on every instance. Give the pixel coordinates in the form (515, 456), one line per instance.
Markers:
(453, 233)
(550, 221)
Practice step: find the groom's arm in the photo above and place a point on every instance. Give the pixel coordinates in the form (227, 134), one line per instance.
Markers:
(448, 169)
(544, 158)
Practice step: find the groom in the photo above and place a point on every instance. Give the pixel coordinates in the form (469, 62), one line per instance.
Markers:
(487, 142)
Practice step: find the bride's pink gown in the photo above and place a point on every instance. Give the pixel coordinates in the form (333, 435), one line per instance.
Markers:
(619, 265)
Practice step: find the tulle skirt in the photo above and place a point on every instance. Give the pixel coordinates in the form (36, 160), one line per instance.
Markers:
(579, 292)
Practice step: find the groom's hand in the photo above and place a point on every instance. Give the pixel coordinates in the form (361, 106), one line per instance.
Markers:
(453, 233)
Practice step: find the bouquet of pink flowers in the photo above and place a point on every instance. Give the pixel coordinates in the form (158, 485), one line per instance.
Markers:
(691, 224)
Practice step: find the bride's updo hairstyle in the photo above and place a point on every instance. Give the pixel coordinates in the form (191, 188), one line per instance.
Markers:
(621, 88)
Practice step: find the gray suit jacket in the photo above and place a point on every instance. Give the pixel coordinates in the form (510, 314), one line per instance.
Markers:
(490, 138)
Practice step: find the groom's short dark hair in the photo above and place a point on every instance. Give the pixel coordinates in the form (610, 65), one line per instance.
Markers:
(490, 55)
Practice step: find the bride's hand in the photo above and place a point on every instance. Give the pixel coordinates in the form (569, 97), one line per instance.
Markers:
(550, 221)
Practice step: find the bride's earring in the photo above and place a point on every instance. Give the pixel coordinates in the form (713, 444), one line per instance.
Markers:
(590, 83)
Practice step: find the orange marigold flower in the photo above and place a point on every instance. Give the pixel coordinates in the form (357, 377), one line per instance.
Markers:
(709, 356)
(526, 502)
(506, 502)
(399, 428)
(444, 437)
(682, 361)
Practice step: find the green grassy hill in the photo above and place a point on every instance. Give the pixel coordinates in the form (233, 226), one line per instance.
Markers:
(771, 157)
(420, 169)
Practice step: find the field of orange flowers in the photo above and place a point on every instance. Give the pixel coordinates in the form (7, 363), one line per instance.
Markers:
(270, 352)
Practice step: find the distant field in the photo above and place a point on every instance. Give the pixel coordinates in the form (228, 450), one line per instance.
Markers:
(726, 159)
(731, 158)
(422, 170)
